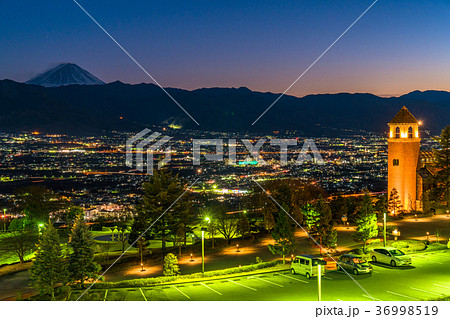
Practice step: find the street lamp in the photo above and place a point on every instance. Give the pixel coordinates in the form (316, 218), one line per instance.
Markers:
(415, 216)
(40, 227)
(447, 213)
(319, 277)
(237, 248)
(203, 249)
(396, 234)
(428, 234)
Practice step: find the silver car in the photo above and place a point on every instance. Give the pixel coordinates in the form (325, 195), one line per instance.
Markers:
(391, 256)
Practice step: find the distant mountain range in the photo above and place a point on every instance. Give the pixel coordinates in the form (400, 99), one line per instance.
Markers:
(91, 109)
(65, 74)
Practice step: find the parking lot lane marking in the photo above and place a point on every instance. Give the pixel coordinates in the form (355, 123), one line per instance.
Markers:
(143, 294)
(376, 271)
(427, 292)
(181, 292)
(238, 283)
(442, 286)
(329, 278)
(106, 293)
(211, 288)
(404, 296)
(269, 282)
(372, 298)
(303, 281)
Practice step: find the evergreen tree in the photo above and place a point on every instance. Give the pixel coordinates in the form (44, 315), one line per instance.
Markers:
(366, 221)
(326, 234)
(269, 221)
(394, 201)
(442, 167)
(243, 226)
(171, 265)
(311, 218)
(160, 193)
(283, 234)
(82, 266)
(49, 267)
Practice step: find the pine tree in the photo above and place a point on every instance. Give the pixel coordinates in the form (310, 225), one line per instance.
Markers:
(366, 221)
(326, 234)
(311, 218)
(243, 226)
(82, 266)
(394, 201)
(49, 267)
(160, 193)
(269, 221)
(283, 234)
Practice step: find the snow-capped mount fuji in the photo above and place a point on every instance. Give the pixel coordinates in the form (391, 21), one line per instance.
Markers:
(65, 74)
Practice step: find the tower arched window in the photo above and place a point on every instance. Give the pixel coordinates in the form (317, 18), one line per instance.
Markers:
(410, 132)
(397, 132)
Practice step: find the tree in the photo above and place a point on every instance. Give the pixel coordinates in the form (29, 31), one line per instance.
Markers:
(339, 207)
(227, 225)
(311, 217)
(324, 228)
(366, 221)
(283, 234)
(37, 203)
(49, 267)
(394, 201)
(209, 218)
(82, 266)
(243, 226)
(70, 215)
(171, 265)
(160, 203)
(269, 221)
(441, 167)
(19, 242)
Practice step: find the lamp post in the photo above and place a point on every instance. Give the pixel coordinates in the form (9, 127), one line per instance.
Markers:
(319, 278)
(384, 229)
(395, 233)
(415, 216)
(428, 234)
(237, 248)
(203, 249)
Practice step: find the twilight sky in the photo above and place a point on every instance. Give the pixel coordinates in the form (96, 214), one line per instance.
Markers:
(397, 47)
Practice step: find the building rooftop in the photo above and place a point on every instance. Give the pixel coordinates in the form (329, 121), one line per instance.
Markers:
(404, 116)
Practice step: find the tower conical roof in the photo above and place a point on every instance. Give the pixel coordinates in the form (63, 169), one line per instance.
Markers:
(404, 116)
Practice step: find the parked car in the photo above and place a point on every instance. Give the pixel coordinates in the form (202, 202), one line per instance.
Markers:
(391, 256)
(308, 265)
(355, 264)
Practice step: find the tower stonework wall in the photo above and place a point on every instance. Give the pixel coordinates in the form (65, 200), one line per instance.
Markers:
(403, 176)
(403, 159)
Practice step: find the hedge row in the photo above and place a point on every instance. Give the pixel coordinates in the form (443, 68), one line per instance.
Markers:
(161, 280)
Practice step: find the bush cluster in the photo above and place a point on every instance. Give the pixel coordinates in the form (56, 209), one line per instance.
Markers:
(165, 279)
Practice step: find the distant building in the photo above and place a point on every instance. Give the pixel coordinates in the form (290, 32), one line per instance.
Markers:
(407, 165)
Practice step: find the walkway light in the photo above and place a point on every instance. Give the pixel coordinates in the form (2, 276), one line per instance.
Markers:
(237, 248)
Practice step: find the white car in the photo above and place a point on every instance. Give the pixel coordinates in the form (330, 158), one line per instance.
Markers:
(389, 255)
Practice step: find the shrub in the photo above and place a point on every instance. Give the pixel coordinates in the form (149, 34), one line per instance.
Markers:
(165, 279)
(258, 260)
(171, 265)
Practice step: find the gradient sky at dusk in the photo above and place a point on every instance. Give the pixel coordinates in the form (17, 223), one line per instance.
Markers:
(397, 47)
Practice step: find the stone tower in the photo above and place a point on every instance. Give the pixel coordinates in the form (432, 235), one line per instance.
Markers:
(403, 156)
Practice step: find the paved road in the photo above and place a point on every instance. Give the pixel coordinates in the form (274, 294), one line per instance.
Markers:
(429, 278)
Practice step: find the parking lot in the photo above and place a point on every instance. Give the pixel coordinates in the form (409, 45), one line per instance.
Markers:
(427, 278)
